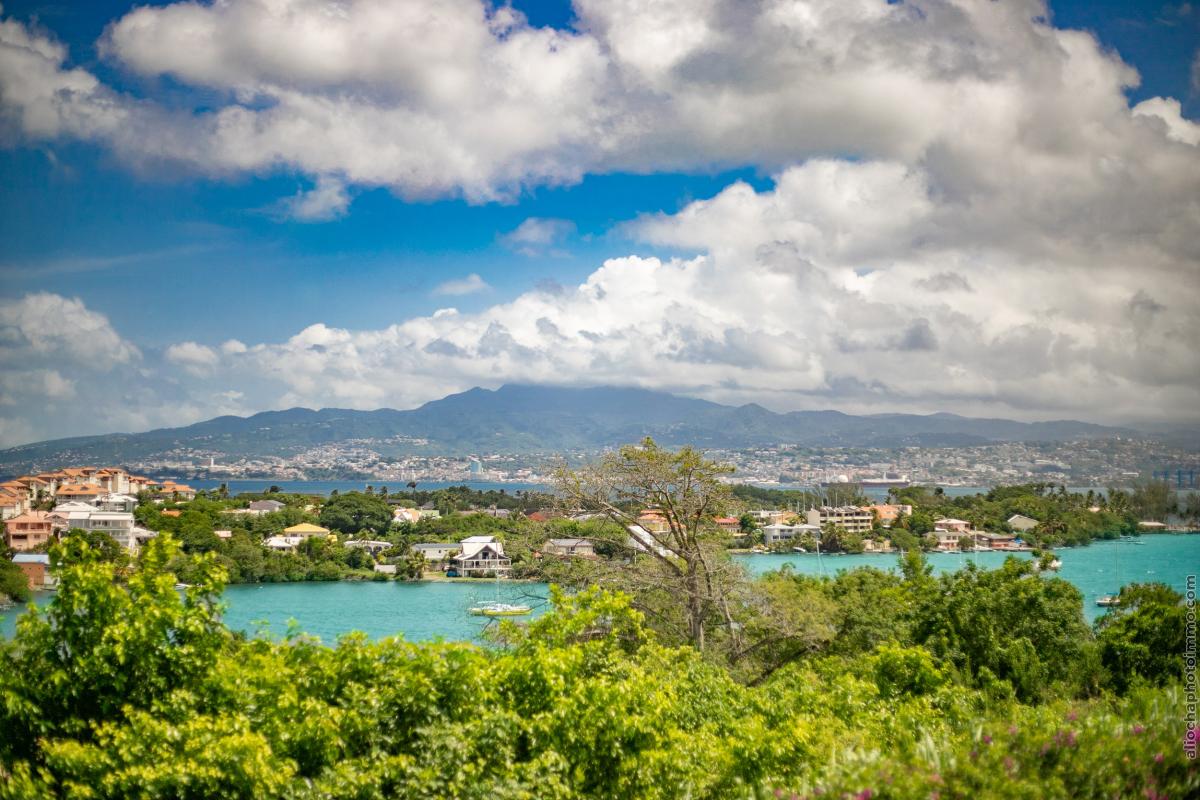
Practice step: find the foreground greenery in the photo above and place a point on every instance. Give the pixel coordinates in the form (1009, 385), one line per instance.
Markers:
(129, 688)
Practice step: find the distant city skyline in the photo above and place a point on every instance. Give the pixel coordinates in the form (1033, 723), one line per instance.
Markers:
(943, 205)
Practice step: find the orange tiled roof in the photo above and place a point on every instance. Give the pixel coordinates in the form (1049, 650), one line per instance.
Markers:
(172, 512)
(81, 488)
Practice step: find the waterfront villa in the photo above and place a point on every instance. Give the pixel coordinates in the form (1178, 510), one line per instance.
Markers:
(570, 547)
(950, 524)
(996, 541)
(779, 532)
(851, 519)
(949, 540)
(36, 568)
(482, 557)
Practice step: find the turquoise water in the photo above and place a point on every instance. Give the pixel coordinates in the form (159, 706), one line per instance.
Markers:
(1098, 569)
(424, 611)
(418, 611)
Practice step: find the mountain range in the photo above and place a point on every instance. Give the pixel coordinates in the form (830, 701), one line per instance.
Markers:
(516, 419)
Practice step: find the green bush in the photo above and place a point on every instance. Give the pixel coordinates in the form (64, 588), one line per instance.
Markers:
(131, 689)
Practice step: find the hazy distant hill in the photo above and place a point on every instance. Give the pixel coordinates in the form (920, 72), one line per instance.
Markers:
(539, 418)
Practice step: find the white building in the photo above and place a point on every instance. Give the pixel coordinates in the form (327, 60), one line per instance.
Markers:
(779, 532)
(852, 519)
(117, 524)
(436, 552)
(481, 557)
(116, 502)
(283, 544)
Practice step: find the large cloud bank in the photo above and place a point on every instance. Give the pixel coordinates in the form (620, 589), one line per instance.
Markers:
(967, 212)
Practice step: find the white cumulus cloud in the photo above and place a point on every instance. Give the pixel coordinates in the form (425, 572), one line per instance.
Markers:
(461, 286)
(966, 213)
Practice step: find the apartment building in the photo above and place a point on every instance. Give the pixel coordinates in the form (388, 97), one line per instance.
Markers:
(852, 519)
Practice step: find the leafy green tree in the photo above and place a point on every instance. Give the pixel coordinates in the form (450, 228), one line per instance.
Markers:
(111, 647)
(1019, 627)
(104, 547)
(1144, 636)
(354, 511)
(13, 584)
(414, 565)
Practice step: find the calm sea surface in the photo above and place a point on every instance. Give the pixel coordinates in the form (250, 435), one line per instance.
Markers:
(1098, 569)
(418, 611)
(424, 611)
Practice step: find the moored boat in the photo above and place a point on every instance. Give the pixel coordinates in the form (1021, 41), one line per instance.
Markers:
(500, 610)
(1108, 601)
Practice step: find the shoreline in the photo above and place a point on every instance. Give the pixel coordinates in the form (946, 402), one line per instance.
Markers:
(742, 551)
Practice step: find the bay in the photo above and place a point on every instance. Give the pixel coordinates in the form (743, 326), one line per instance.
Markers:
(438, 609)
(421, 611)
(1097, 569)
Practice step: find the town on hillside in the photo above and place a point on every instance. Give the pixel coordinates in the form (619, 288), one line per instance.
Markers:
(461, 533)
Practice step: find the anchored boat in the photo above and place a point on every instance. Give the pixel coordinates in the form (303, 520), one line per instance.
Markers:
(500, 610)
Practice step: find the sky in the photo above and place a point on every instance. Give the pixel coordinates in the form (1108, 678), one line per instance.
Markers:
(987, 208)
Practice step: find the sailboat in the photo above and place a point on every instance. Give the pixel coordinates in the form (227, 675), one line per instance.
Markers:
(494, 608)
(1110, 600)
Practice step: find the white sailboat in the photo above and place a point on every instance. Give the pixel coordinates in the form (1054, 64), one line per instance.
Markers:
(495, 608)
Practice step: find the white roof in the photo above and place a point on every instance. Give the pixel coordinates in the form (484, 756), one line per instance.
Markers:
(473, 544)
(435, 546)
(75, 505)
(31, 558)
(119, 515)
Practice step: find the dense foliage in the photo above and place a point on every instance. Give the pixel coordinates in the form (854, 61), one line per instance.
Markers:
(14, 586)
(132, 689)
(1063, 517)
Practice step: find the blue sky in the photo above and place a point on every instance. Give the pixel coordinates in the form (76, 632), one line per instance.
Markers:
(170, 252)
